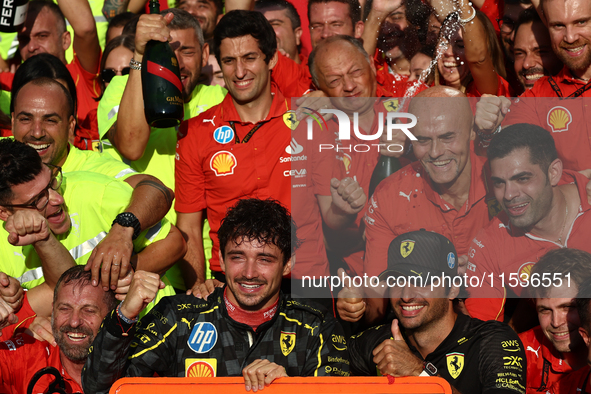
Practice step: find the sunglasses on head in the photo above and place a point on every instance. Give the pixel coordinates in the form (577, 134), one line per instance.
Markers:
(108, 73)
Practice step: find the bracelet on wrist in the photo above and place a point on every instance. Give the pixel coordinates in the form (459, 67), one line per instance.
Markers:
(488, 136)
(123, 317)
(468, 19)
(135, 65)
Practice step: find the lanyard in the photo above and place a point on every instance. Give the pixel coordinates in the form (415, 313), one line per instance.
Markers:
(576, 93)
(248, 136)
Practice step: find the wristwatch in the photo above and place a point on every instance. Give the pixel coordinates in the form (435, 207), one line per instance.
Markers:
(429, 370)
(128, 219)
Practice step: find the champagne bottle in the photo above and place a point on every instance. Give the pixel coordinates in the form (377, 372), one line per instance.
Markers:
(13, 14)
(161, 82)
(386, 166)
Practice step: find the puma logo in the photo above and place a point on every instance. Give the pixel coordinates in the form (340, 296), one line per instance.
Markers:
(183, 320)
(210, 120)
(531, 349)
(405, 195)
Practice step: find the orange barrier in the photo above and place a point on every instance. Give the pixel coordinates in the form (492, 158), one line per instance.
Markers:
(309, 385)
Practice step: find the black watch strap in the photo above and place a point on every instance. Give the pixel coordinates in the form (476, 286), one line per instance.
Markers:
(128, 219)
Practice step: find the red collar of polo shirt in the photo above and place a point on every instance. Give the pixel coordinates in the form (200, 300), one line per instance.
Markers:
(565, 76)
(278, 107)
(477, 185)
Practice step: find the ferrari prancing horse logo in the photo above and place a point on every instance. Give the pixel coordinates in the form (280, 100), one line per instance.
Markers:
(455, 364)
(406, 248)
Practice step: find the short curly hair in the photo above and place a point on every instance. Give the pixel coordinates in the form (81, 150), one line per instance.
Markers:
(265, 221)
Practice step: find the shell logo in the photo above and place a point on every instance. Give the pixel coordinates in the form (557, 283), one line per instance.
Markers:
(524, 273)
(200, 369)
(223, 163)
(559, 118)
(347, 162)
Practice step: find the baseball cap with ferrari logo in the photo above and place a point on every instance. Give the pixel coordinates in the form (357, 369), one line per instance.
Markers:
(419, 253)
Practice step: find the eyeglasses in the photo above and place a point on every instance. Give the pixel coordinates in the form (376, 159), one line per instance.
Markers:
(506, 25)
(40, 201)
(108, 73)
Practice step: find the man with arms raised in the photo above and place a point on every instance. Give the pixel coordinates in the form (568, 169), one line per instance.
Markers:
(50, 217)
(43, 118)
(45, 32)
(444, 191)
(569, 25)
(247, 328)
(427, 337)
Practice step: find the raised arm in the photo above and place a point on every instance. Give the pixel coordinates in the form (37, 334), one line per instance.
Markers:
(380, 9)
(86, 42)
(132, 132)
(476, 46)
(193, 265)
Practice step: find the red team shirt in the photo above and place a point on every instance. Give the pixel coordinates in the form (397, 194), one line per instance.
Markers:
(406, 201)
(545, 364)
(310, 174)
(565, 119)
(576, 382)
(21, 357)
(213, 171)
(502, 249)
(87, 89)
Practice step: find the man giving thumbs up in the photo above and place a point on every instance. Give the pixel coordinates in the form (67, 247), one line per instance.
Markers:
(427, 337)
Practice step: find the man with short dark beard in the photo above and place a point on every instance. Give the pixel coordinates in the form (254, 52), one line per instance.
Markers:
(78, 311)
(532, 50)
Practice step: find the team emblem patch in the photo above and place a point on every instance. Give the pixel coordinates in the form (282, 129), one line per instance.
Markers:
(347, 162)
(290, 119)
(524, 273)
(223, 134)
(223, 163)
(287, 341)
(203, 337)
(559, 118)
(406, 248)
(201, 367)
(451, 260)
(391, 105)
(493, 207)
(455, 364)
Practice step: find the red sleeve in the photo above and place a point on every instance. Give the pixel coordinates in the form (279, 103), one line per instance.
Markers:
(6, 81)
(188, 173)
(494, 10)
(487, 301)
(294, 80)
(523, 110)
(378, 233)
(25, 316)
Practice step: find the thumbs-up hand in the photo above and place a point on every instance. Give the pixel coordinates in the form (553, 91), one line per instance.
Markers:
(350, 304)
(393, 357)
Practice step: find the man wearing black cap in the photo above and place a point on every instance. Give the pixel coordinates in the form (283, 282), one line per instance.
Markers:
(427, 337)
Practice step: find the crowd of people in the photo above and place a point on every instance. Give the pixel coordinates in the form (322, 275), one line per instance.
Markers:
(251, 240)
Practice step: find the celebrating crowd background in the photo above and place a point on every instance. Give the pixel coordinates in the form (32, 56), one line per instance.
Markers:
(497, 162)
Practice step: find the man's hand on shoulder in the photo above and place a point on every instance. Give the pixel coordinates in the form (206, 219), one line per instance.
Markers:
(261, 373)
(203, 290)
(110, 260)
(393, 357)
